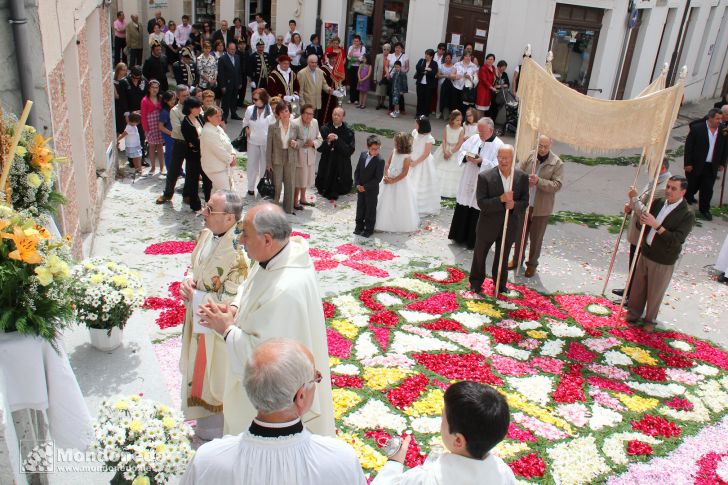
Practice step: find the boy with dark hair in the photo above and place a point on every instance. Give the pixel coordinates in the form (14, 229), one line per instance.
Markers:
(474, 420)
(367, 176)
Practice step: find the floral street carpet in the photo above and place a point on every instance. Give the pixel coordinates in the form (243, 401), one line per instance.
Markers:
(592, 399)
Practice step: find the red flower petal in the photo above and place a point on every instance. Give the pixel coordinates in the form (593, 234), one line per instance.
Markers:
(367, 296)
(529, 466)
(170, 247)
(520, 434)
(524, 314)
(346, 381)
(656, 426)
(408, 392)
(455, 276)
(367, 269)
(382, 336)
(444, 324)
(338, 345)
(386, 317)
(571, 386)
(707, 473)
(680, 404)
(437, 304)
(302, 234)
(650, 372)
(329, 310)
(503, 335)
(610, 384)
(324, 264)
(459, 366)
(510, 367)
(677, 361)
(637, 447)
(580, 353)
(373, 255)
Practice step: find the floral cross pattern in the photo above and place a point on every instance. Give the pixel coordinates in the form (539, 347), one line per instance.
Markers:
(592, 400)
(351, 256)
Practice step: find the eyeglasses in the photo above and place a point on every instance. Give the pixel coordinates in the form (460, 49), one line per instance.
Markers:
(207, 211)
(256, 99)
(317, 378)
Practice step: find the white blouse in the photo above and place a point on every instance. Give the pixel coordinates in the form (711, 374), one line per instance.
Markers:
(258, 128)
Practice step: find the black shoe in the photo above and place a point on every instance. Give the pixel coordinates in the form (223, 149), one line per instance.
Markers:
(618, 291)
(707, 215)
(251, 193)
(502, 290)
(367, 234)
(474, 289)
(691, 200)
(298, 207)
(722, 278)
(235, 117)
(358, 231)
(145, 163)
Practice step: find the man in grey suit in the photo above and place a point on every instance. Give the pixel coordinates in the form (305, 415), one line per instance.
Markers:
(493, 199)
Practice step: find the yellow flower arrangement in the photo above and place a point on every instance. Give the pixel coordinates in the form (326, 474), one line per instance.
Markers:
(25, 246)
(518, 401)
(45, 277)
(537, 334)
(121, 405)
(344, 400)
(136, 426)
(484, 308)
(345, 328)
(334, 361)
(168, 423)
(120, 280)
(141, 480)
(636, 403)
(369, 458)
(34, 180)
(640, 355)
(430, 404)
(378, 378)
(507, 449)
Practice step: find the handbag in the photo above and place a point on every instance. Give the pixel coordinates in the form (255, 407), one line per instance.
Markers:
(265, 186)
(469, 95)
(241, 142)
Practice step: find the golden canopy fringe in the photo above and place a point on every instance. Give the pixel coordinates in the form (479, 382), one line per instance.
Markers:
(593, 125)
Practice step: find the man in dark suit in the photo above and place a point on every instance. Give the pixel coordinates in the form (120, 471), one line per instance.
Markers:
(705, 156)
(493, 199)
(668, 223)
(367, 176)
(425, 77)
(155, 67)
(230, 80)
(224, 34)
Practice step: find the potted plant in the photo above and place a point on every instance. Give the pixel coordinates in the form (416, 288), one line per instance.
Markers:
(144, 441)
(35, 276)
(106, 294)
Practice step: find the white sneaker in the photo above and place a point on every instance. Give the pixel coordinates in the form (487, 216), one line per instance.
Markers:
(394, 114)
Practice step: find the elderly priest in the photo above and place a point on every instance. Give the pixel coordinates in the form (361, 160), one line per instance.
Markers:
(280, 380)
(218, 269)
(279, 298)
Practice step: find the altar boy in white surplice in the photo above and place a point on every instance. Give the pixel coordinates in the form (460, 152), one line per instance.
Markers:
(218, 269)
(280, 298)
(281, 381)
(474, 420)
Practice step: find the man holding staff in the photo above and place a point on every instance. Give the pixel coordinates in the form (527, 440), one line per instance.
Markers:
(546, 172)
(667, 224)
(502, 195)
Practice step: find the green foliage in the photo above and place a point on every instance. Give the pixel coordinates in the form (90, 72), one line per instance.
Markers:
(448, 203)
(589, 219)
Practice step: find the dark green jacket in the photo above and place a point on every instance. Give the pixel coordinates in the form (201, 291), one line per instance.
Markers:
(666, 247)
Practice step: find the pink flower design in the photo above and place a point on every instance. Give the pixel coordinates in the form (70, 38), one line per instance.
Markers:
(173, 309)
(576, 305)
(351, 256)
(170, 247)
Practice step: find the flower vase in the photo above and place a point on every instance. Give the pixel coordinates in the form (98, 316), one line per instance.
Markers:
(102, 340)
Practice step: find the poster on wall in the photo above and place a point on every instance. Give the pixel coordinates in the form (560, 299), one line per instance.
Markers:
(158, 4)
(331, 29)
(456, 50)
(361, 27)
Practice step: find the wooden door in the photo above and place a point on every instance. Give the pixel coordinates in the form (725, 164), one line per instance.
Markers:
(470, 19)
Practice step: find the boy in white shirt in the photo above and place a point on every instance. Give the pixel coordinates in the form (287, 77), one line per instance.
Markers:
(474, 420)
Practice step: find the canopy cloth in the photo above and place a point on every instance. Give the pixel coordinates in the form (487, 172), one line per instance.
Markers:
(593, 125)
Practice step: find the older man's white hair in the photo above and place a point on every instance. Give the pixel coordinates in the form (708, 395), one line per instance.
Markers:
(486, 122)
(270, 219)
(509, 148)
(272, 380)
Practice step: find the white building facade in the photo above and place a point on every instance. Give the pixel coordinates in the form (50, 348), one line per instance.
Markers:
(609, 49)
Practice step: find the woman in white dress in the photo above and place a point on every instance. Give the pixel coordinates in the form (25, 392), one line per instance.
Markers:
(721, 263)
(397, 205)
(422, 168)
(448, 168)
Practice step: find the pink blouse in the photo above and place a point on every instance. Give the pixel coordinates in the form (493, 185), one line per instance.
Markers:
(148, 106)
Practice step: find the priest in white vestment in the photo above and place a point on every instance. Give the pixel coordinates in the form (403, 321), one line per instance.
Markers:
(475, 419)
(280, 298)
(218, 269)
(478, 154)
(281, 380)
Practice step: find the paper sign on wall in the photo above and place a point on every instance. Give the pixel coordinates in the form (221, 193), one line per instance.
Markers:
(481, 32)
(478, 46)
(455, 39)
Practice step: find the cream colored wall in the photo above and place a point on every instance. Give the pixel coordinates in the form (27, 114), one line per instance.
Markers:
(60, 21)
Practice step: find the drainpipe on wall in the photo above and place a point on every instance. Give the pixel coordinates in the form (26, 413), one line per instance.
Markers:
(22, 52)
(672, 72)
(319, 22)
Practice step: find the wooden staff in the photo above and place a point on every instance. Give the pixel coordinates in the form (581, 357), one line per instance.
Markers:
(10, 155)
(521, 248)
(621, 230)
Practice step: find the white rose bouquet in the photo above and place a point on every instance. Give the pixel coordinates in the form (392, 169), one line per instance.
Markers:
(106, 293)
(145, 441)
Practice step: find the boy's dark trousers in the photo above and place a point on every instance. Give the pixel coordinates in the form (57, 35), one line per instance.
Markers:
(366, 211)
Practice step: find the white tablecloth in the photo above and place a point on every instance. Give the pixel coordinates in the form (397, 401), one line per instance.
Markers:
(38, 377)
(722, 263)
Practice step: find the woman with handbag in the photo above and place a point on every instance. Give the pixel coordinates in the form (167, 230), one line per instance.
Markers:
(353, 58)
(217, 153)
(381, 76)
(501, 85)
(284, 138)
(256, 121)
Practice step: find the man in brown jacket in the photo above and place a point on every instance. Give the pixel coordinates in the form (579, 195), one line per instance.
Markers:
(668, 223)
(311, 83)
(544, 182)
(134, 41)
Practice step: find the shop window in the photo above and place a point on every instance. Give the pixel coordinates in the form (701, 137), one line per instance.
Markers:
(573, 42)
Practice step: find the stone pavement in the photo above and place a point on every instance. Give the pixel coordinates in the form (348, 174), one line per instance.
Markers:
(574, 259)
